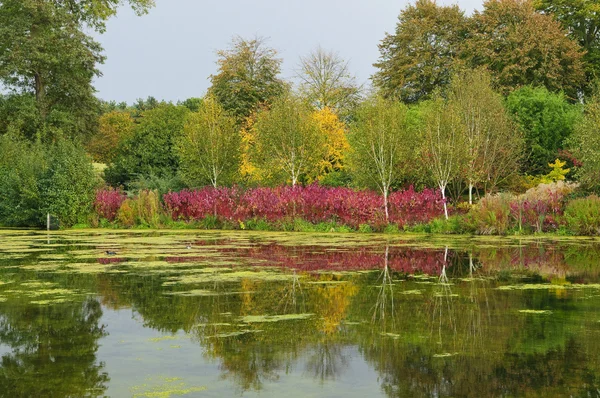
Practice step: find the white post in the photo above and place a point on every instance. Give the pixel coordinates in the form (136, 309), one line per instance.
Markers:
(48, 222)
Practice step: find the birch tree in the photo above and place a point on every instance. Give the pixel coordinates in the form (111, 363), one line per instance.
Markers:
(288, 142)
(444, 144)
(209, 146)
(381, 145)
(492, 142)
(326, 82)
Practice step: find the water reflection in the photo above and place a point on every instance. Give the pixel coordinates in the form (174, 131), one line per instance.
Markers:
(53, 350)
(462, 319)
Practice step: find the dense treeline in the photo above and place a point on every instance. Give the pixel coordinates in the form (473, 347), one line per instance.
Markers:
(499, 101)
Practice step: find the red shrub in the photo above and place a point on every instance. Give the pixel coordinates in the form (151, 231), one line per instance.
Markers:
(107, 202)
(313, 203)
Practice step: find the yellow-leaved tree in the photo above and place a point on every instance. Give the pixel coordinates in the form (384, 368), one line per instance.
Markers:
(336, 144)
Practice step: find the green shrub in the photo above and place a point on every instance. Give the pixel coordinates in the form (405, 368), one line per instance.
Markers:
(583, 216)
(391, 229)
(257, 224)
(126, 214)
(147, 209)
(491, 215)
(210, 222)
(365, 228)
(68, 186)
(36, 180)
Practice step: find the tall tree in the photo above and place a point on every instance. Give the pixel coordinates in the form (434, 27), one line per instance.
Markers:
(288, 141)
(46, 52)
(585, 144)
(149, 151)
(493, 144)
(326, 82)
(418, 57)
(444, 144)
(547, 120)
(209, 147)
(247, 76)
(521, 46)
(582, 19)
(381, 145)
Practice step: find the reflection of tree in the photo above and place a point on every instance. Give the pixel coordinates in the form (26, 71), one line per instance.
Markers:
(53, 350)
(444, 306)
(327, 361)
(384, 303)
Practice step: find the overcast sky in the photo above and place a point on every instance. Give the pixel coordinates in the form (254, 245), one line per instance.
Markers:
(170, 53)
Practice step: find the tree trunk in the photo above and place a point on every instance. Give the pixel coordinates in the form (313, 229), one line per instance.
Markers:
(443, 189)
(40, 95)
(470, 192)
(385, 205)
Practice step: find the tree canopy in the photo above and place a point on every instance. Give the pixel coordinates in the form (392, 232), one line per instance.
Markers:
(247, 76)
(521, 46)
(418, 57)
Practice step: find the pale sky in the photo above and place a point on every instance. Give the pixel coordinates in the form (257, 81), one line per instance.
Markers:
(170, 53)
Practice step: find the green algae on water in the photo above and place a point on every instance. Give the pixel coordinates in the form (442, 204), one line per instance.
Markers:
(539, 312)
(165, 388)
(274, 318)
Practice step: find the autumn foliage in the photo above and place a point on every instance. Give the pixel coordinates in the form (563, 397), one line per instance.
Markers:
(312, 203)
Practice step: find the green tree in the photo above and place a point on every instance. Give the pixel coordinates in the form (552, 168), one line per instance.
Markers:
(521, 46)
(45, 52)
(113, 128)
(381, 145)
(418, 58)
(37, 179)
(288, 142)
(582, 19)
(326, 82)
(585, 144)
(547, 119)
(209, 147)
(247, 76)
(149, 151)
(493, 143)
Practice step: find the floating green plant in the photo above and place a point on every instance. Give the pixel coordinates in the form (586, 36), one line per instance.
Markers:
(445, 355)
(168, 387)
(274, 318)
(541, 312)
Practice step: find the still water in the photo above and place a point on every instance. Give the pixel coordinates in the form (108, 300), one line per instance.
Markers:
(218, 314)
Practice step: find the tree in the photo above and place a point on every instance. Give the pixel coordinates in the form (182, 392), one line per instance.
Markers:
(149, 151)
(247, 76)
(288, 142)
(113, 128)
(209, 147)
(36, 179)
(326, 82)
(444, 144)
(418, 58)
(547, 120)
(493, 143)
(582, 19)
(381, 145)
(585, 144)
(334, 133)
(521, 46)
(45, 52)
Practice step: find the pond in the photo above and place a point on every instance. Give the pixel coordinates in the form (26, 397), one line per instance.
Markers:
(215, 314)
